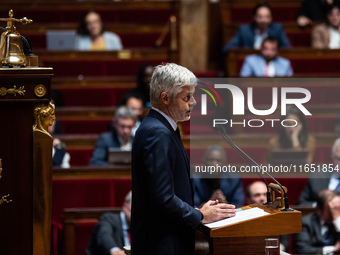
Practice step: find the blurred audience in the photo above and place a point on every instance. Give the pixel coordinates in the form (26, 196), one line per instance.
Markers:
(321, 229)
(267, 63)
(321, 181)
(314, 11)
(252, 35)
(134, 101)
(224, 187)
(112, 232)
(119, 137)
(92, 35)
(293, 137)
(327, 35)
(256, 193)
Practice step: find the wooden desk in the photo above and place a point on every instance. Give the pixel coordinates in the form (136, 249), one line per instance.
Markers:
(88, 172)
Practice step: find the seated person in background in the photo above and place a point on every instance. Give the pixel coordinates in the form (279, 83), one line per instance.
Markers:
(321, 229)
(257, 194)
(134, 101)
(92, 35)
(327, 35)
(314, 11)
(293, 137)
(143, 81)
(120, 136)
(252, 35)
(267, 63)
(61, 158)
(318, 182)
(112, 232)
(225, 187)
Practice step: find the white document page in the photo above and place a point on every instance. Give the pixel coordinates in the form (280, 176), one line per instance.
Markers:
(239, 217)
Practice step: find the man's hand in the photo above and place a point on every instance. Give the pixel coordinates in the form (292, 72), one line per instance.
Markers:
(218, 195)
(118, 252)
(337, 246)
(334, 206)
(213, 211)
(303, 21)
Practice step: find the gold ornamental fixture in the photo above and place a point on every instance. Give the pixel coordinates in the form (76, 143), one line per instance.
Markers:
(11, 51)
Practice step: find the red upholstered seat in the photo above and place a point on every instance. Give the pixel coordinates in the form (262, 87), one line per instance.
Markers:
(81, 193)
(80, 157)
(300, 38)
(87, 193)
(119, 15)
(88, 68)
(93, 96)
(83, 231)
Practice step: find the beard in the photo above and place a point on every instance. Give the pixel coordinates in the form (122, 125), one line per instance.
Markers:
(179, 114)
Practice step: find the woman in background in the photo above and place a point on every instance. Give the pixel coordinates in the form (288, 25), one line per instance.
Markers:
(296, 137)
(92, 35)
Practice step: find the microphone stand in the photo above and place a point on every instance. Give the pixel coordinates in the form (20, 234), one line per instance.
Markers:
(241, 153)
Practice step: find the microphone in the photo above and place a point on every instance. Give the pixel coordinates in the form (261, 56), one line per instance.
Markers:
(242, 154)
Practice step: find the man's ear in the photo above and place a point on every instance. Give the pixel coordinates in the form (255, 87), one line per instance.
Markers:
(165, 98)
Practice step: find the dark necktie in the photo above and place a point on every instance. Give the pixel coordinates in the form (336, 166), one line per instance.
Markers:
(328, 238)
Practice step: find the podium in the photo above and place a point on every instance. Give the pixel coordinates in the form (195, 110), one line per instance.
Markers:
(247, 237)
(25, 163)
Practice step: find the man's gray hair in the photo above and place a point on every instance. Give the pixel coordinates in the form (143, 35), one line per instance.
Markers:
(335, 146)
(128, 197)
(169, 78)
(124, 112)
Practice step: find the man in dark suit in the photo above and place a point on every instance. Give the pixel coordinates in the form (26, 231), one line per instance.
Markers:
(320, 230)
(119, 137)
(111, 233)
(164, 219)
(321, 181)
(225, 187)
(251, 35)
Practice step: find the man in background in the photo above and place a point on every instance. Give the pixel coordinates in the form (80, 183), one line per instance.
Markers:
(112, 232)
(321, 181)
(256, 193)
(225, 187)
(119, 137)
(267, 63)
(252, 35)
(321, 229)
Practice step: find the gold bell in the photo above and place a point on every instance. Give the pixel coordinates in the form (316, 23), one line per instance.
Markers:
(11, 51)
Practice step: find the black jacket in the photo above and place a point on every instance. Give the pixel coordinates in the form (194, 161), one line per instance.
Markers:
(108, 233)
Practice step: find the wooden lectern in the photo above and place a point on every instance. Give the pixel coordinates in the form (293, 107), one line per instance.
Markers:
(247, 237)
(25, 163)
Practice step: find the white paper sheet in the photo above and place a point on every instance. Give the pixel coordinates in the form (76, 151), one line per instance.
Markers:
(239, 217)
